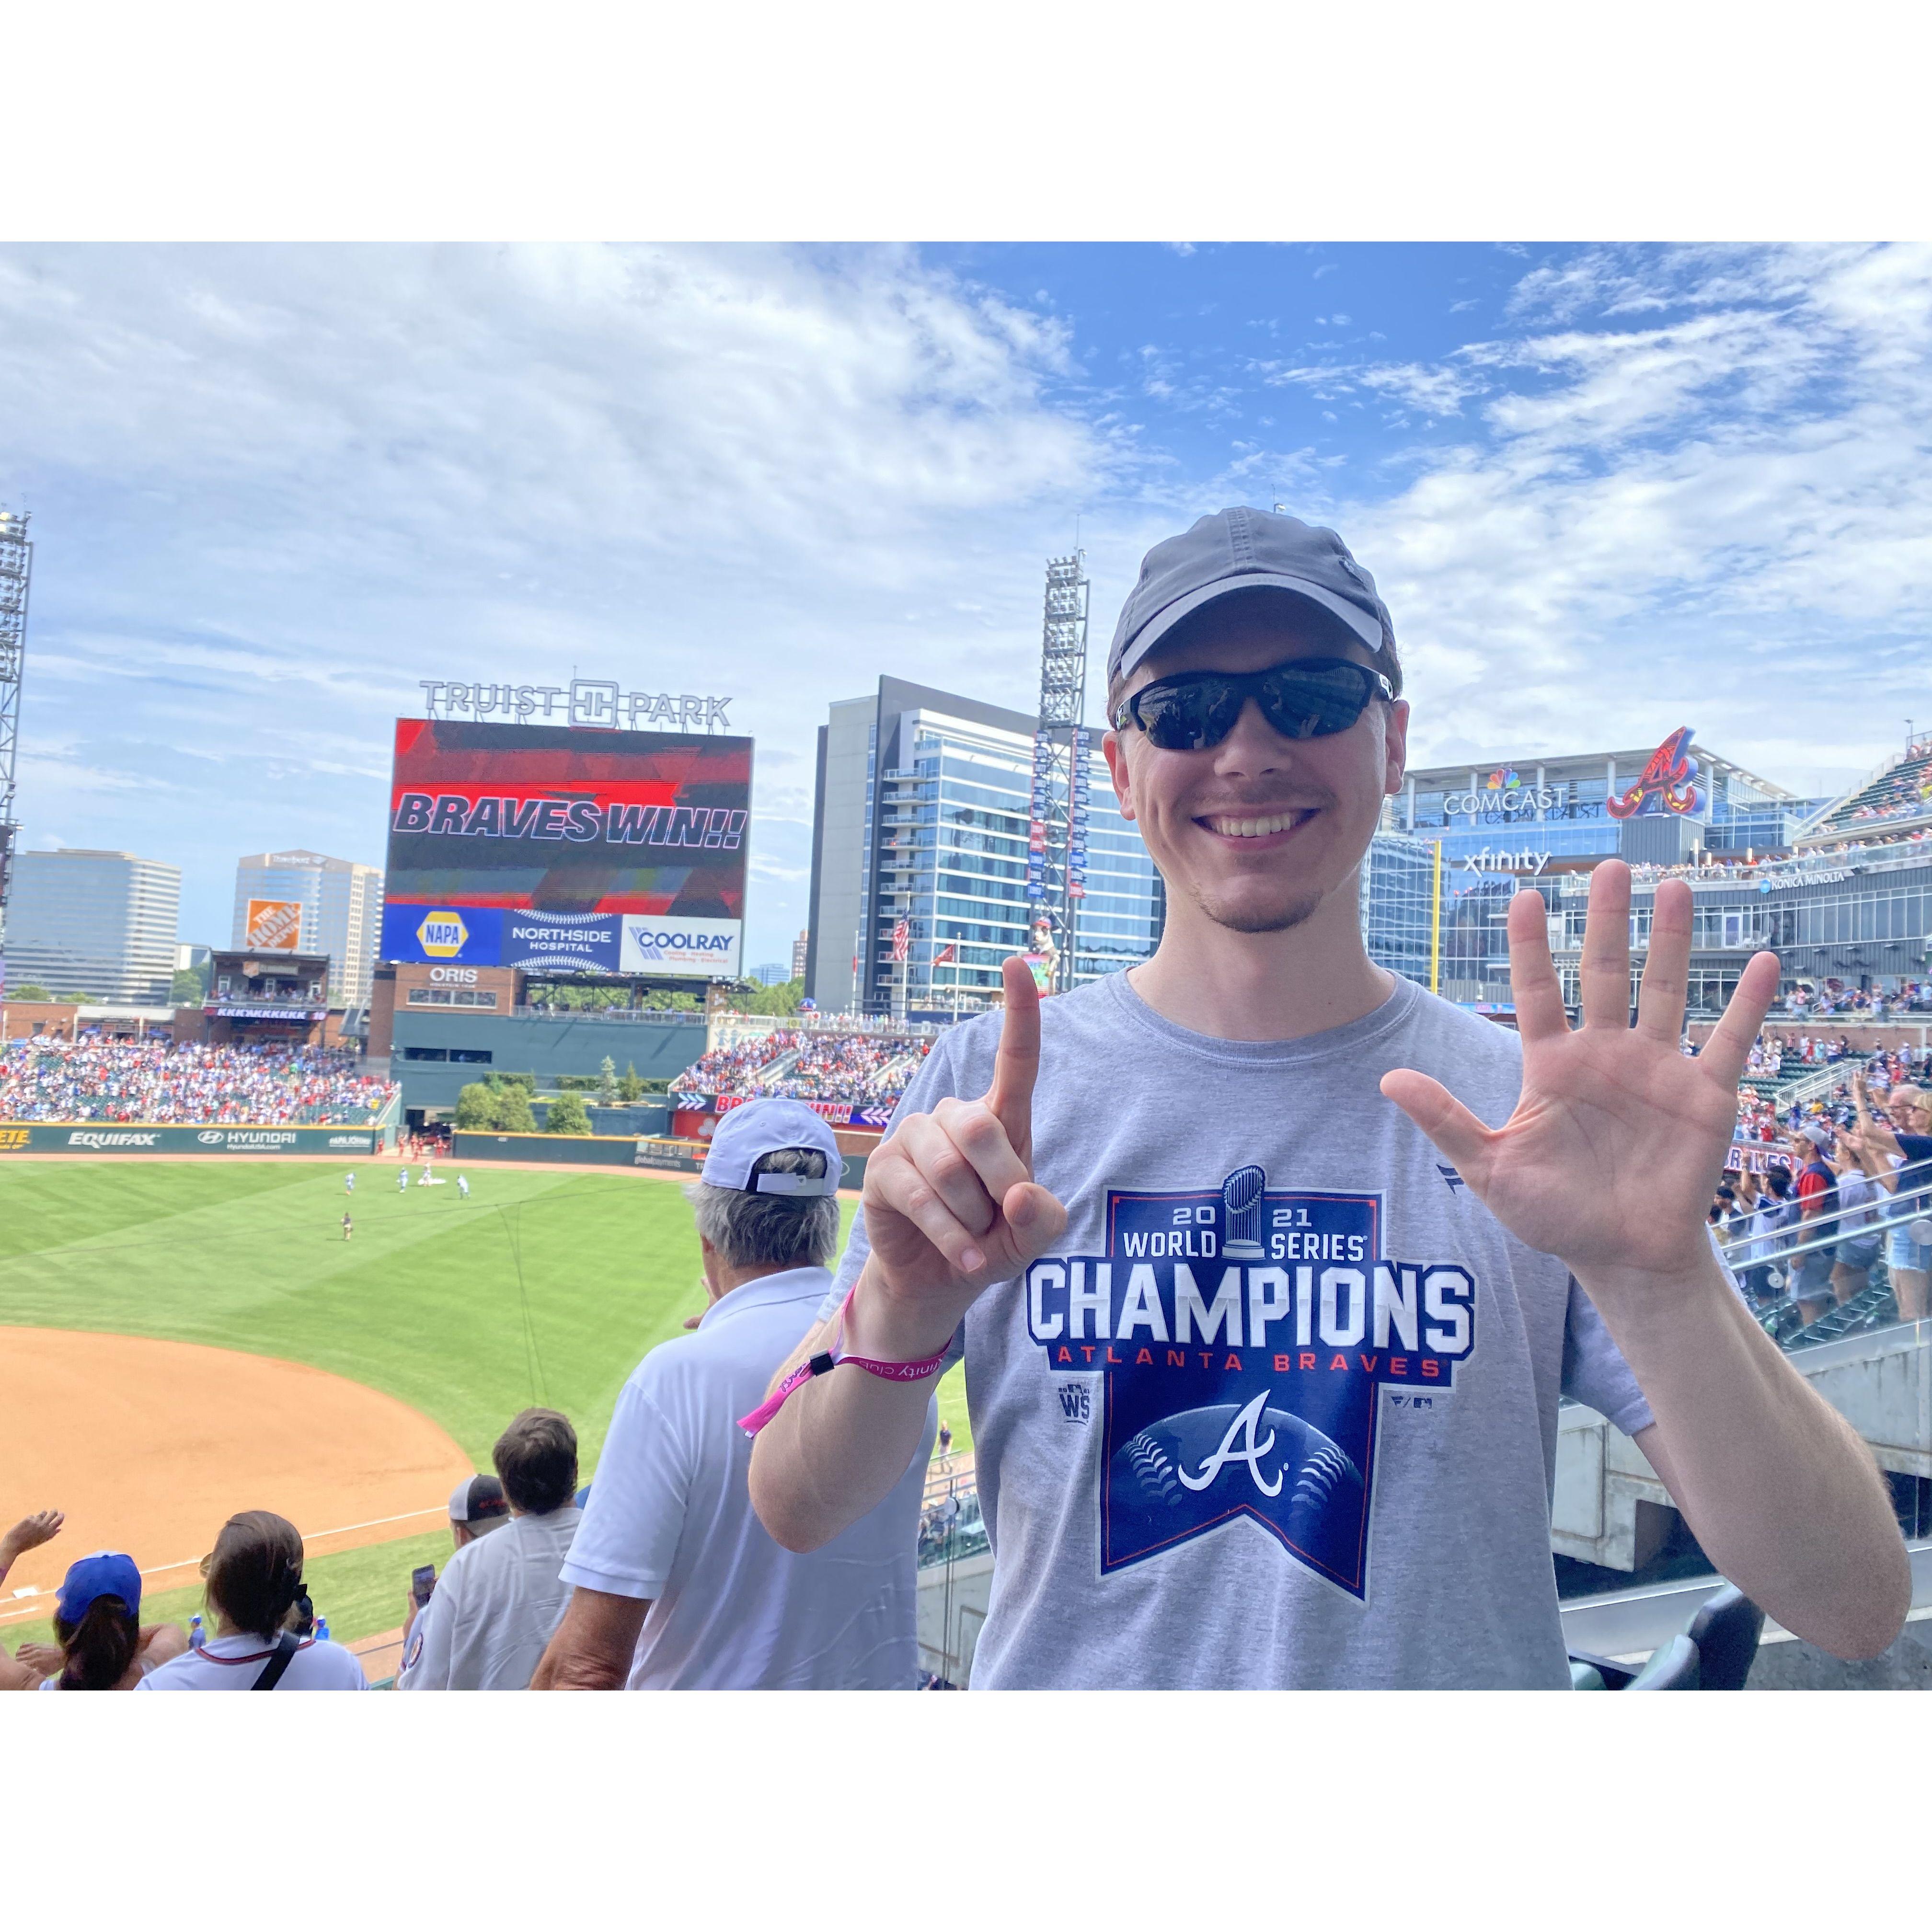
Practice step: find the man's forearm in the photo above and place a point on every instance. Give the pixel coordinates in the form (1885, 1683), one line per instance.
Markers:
(1775, 1485)
(832, 1453)
(592, 1647)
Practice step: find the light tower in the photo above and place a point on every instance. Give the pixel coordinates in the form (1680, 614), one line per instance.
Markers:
(1056, 850)
(16, 560)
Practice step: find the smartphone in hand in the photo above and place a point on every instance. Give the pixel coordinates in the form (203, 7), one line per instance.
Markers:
(422, 1584)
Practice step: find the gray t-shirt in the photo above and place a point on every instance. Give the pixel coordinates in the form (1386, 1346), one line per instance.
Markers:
(1281, 1410)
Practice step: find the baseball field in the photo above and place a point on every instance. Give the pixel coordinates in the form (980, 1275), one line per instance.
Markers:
(184, 1339)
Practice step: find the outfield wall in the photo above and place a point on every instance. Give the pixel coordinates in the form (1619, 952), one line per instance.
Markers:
(666, 1155)
(566, 1149)
(98, 1137)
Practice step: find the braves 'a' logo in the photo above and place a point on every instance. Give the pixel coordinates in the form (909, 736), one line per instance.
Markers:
(1241, 1337)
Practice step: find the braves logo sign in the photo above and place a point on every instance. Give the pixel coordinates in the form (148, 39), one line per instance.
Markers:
(1669, 783)
(1242, 1336)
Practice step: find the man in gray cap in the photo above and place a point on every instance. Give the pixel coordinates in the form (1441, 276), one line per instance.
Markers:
(1265, 1329)
(677, 1585)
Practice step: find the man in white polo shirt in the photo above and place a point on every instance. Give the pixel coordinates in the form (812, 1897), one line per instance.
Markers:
(677, 1585)
(496, 1604)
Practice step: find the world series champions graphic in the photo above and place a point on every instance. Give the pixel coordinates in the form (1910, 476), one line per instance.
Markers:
(1243, 1336)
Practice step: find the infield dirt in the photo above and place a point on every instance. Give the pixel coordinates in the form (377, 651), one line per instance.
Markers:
(150, 1446)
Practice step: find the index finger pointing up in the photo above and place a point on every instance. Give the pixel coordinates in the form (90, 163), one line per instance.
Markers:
(1016, 1064)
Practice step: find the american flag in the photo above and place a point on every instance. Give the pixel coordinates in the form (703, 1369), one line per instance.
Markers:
(901, 940)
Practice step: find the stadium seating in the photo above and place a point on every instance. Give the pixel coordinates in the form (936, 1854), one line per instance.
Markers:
(1901, 792)
(863, 1069)
(92, 1080)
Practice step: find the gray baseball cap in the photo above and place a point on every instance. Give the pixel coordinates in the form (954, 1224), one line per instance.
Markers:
(1245, 550)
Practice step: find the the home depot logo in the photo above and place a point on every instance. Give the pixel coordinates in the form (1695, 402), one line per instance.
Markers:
(443, 935)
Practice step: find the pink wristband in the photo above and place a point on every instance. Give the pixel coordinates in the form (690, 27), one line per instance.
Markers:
(824, 1363)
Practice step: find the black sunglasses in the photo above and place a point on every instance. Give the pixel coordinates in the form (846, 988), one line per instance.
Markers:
(1307, 698)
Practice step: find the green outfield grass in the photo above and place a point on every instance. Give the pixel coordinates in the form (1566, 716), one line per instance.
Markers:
(540, 1288)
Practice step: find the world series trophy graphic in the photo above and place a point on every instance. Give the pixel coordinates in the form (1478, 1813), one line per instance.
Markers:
(1237, 1370)
(1241, 1202)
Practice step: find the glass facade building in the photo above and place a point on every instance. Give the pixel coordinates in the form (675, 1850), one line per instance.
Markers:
(922, 823)
(101, 924)
(341, 905)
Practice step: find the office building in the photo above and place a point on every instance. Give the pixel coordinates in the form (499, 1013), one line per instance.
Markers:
(97, 923)
(800, 946)
(920, 839)
(1656, 807)
(303, 902)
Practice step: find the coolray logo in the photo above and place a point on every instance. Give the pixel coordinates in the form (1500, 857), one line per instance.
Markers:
(1243, 1337)
(709, 946)
(442, 934)
(13, 1139)
(100, 1140)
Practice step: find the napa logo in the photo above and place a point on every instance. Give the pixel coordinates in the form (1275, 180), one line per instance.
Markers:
(1238, 1341)
(443, 935)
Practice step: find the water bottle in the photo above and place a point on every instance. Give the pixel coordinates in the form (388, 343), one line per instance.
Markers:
(321, 1630)
(196, 1636)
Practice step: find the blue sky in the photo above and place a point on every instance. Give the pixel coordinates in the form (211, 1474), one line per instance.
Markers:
(1606, 491)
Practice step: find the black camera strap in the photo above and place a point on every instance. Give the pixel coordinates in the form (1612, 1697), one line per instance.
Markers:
(277, 1666)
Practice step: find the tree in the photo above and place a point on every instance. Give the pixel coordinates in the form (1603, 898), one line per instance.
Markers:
(188, 988)
(567, 1116)
(80, 999)
(31, 989)
(476, 1108)
(779, 1000)
(631, 1088)
(487, 1108)
(607, 1083)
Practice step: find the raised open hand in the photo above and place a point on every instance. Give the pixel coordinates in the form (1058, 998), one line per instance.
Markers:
(31, 1531)
(1618, 1139)
(951, 1204)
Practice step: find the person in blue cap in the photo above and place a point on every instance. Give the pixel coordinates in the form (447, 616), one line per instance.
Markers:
(97, 1623)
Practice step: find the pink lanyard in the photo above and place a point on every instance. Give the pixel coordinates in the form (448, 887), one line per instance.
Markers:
(824, 1363)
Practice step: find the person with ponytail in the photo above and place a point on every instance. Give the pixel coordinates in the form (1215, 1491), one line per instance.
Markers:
(97, 1623)
(254, 1584)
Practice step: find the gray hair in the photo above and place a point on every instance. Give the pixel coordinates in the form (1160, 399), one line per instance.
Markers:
(770, 1230)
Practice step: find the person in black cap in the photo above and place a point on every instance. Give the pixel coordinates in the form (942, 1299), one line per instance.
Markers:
(477, 1505)
(1270, 1268)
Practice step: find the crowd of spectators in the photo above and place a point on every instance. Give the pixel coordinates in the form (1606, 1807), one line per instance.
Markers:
(1792, 870)
(731, 1068)
(865, 1068)
(95, 1080)
(481, 1626)
(1830, 1186)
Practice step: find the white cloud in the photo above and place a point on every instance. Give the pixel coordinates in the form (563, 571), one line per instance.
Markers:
(1722, 515)
(274, 487)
